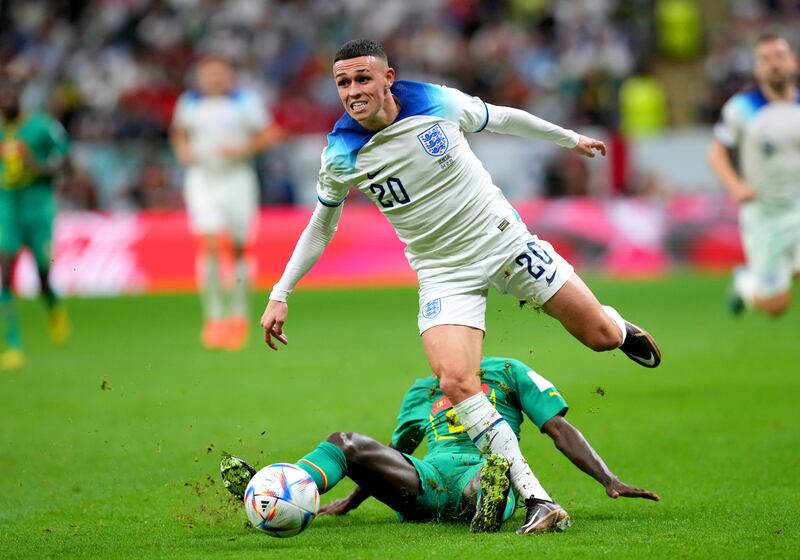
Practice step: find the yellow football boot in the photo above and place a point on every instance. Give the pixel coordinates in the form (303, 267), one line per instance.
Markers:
(58, 324)
(12, 359)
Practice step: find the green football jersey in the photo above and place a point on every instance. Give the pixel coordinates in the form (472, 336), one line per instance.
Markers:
(512, 388)
(43, 137)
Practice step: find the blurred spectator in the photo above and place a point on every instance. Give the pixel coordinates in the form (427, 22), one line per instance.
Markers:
(566, 175)
(154, 190)
(111, 69)
(75, 189)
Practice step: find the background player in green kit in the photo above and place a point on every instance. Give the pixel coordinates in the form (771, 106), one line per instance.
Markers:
(33, 148)
(445, 483)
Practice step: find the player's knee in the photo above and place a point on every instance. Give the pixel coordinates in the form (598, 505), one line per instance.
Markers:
(458, 385)
(775, 306)
(775, 309)
(603, 338)
(350, 443)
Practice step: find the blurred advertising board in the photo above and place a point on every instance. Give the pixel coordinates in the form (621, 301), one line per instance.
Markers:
(121, 253)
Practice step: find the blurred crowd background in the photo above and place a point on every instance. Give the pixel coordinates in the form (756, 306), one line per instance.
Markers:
(111, 71)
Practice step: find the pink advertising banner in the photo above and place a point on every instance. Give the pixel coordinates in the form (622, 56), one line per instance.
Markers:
(107, 254)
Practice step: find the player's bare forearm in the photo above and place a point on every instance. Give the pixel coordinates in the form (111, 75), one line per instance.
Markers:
(256, 144)
(180, 145)
(574, 446)
(719, 160)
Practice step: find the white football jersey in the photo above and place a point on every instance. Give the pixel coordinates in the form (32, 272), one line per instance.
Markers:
(767, 135)
(214, 122)
(422, 174)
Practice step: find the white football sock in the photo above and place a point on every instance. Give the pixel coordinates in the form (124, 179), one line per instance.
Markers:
(210, 287)
(618, 320)
(488, 429)
(241, 289)
(744, 284)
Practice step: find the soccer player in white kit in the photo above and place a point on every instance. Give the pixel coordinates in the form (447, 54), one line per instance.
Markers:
(402, 144)
(763, 124)
(216, 131)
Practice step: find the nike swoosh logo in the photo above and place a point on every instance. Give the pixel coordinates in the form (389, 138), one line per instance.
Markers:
(651, 361)
(373, 175)
(549, 279)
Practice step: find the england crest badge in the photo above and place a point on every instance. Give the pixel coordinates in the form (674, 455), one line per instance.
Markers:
(434, 140)
(431, 309)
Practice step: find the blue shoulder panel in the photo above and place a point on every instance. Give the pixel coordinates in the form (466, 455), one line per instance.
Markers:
(749, 102)
(755, 99)
(344, 142)
(192, 96)
(237, 96)
(419, 98)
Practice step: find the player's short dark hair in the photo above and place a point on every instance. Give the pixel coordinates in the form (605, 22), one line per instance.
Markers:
(360, 47)
(214, 57)
(768, 37)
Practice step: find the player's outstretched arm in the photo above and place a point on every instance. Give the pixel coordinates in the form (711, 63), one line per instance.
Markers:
(571, 443)
(508, 120)
(309, 249)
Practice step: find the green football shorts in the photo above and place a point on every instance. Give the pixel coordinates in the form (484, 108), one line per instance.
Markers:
(443, 478)
(26, 220)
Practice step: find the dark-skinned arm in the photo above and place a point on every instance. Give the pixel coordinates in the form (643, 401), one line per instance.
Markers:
(574, 446)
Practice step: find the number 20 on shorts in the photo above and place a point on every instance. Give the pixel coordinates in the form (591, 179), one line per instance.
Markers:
(525, 259)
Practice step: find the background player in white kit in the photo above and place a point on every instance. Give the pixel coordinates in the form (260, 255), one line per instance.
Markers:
(216, 131)
(763, 124)
(402, 144)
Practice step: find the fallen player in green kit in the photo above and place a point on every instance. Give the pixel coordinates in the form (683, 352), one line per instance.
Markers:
(453, 481)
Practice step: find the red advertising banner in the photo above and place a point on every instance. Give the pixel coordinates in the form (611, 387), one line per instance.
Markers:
(107, 254)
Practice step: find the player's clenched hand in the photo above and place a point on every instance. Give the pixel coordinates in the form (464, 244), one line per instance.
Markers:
(618, 489)
(272, 322)
(232, 153)
(743, 193)
(587, 146)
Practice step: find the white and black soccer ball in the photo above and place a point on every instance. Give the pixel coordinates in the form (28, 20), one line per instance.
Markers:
(281, 500)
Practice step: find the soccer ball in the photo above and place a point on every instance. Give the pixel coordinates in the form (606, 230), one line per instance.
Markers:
(281, 500)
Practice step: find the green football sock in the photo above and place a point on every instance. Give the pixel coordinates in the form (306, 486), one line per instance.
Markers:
(326, 464)
(11, 319)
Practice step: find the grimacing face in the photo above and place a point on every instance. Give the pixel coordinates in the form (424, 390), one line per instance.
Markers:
(776, 64)
(214, 76)
(363, 84)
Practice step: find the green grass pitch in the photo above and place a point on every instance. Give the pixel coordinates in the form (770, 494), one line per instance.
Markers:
(109, 446)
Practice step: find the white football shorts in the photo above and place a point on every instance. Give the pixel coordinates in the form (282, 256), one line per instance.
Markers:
(771, 240)
(224, 202)
(522, 265)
